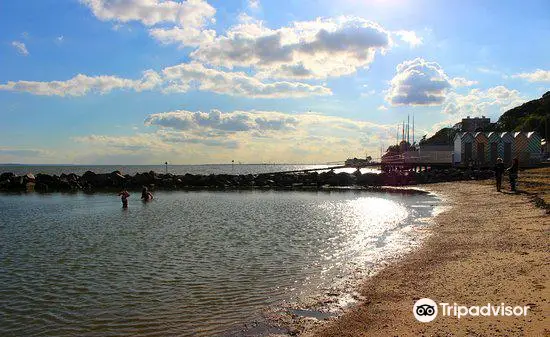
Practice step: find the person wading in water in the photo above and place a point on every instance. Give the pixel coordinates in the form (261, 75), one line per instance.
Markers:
(124, 198)
(146, 195)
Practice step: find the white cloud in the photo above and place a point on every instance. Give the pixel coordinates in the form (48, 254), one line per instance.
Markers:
(538, 75)
(461, 82)
(188, 18)
(180, 78)
(21, 48)
(418, 82)
(491, 102)
(194, 13)
(306, 49)
(137, 142)
(247, 136)
(237, 121)
(254, 4)
(382, 108)
(59, 39)
(189, 36)
(81, 85)
(410, 37)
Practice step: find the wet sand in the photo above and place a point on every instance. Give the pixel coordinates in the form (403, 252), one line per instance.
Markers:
(488, 247)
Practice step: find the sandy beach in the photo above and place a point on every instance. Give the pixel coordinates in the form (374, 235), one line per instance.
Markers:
(488, 247)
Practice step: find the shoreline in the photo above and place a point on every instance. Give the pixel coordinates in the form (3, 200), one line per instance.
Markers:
(495, 254)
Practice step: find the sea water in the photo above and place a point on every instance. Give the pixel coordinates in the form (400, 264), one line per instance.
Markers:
(188, 263)
(21, 169)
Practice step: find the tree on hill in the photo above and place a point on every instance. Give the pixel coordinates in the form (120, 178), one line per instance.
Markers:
(444, 136)
(531, 116)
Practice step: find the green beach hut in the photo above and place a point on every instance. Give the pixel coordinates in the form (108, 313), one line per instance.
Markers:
(507, 139)
(520, 148)
(534, 147)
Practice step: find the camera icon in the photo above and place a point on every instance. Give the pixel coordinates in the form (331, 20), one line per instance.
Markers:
(425, 310)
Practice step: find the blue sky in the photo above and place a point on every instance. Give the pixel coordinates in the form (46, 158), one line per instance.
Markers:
(196, 81)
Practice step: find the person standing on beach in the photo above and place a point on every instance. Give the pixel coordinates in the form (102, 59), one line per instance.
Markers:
(513, 174)
(499, 171)
(124, 198)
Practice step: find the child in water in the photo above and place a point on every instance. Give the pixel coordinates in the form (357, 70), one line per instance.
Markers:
(146, 195)
(124, 198)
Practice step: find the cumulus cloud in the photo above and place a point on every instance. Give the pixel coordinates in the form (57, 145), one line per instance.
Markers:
(151, 12)
(306, 49)
(180, 78)
(188, 36)
(188, 18)
(418, 82)
(538, 75)
(20, 47)
(491, 102)
(82, 84)
(247, 136)
(229, 122)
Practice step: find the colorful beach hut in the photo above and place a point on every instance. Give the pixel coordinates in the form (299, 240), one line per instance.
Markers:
(534, 147)
(495, 149)
(480, 148)
(507, 139)
(520, 147)
(466, 147)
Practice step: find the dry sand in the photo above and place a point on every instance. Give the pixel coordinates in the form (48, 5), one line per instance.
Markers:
(489, 247)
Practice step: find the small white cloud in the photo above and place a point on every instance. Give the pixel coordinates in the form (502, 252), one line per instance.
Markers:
(409, 37)
(21, 48)
(59, 39)
(254, 4)
(461, 82)
(538, 75)
(382, 108)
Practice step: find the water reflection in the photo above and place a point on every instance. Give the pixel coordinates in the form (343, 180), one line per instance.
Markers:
(186, 264)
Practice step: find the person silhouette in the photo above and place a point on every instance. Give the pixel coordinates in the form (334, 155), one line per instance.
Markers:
(513, 174)
(124, 195)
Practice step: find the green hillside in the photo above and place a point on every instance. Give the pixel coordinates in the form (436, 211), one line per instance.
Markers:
(530, 116)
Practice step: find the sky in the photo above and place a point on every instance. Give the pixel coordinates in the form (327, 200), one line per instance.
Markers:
(255, 81)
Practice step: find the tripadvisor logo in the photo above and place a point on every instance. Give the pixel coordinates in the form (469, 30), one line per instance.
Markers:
(425, 310)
